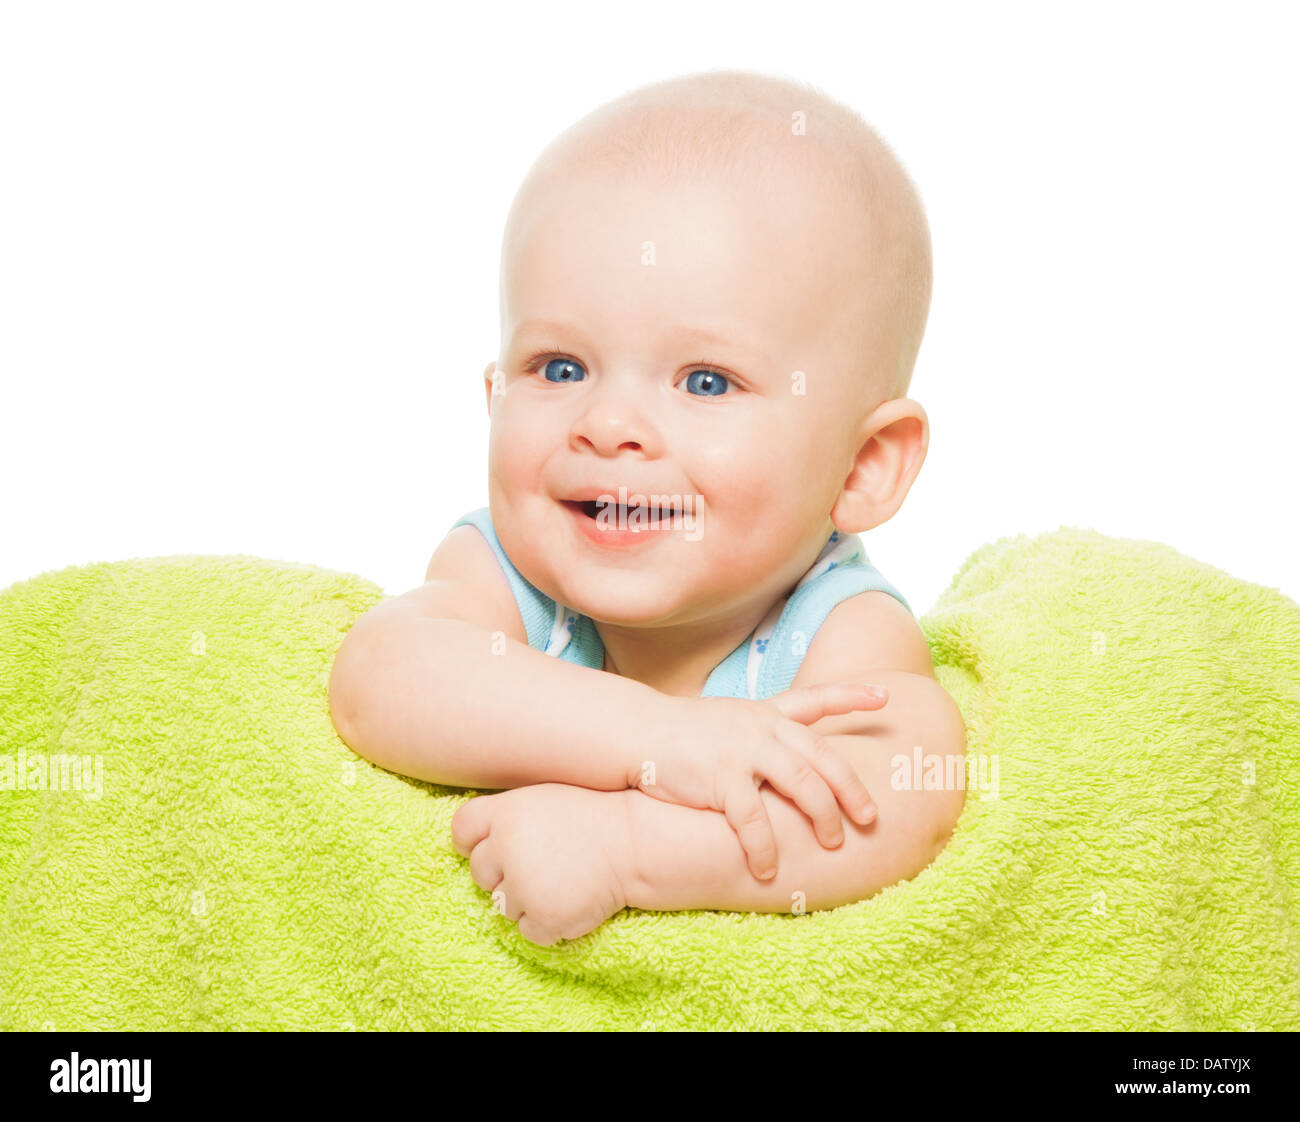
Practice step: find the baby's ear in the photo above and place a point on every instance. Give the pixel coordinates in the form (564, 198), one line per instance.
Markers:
(488, 377)
(892, 444)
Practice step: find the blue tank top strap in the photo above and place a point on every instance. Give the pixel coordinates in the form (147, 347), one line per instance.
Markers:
(552, 628)
(778, 646)
(728, 677)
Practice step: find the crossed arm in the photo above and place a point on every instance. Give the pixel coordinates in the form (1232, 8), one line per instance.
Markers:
(560, 859)
(688, 858)
(567, 843)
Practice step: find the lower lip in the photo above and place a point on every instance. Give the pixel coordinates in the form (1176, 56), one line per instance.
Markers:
(609, 534)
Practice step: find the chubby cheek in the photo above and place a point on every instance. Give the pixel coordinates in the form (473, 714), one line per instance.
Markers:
(757, 499)
(516, 452)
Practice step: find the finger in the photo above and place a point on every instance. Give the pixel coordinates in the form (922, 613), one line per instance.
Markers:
(536, 932)
(744, 809)
(485, 867)
(505, 900)
(792, 773)
(469, 825)
(811, 703)
(845, 783)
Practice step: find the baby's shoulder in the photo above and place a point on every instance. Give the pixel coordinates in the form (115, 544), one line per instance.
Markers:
(461, 555)
(867, 631)
(466, 581)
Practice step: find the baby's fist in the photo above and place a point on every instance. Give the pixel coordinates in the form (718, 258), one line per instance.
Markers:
(552, 856)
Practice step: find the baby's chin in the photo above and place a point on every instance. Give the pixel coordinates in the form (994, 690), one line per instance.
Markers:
(628, 599)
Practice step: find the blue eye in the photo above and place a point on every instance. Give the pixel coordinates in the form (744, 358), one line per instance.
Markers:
(709, 383)
(563, 370)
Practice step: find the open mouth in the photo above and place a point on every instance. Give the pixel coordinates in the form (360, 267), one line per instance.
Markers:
(617, 514)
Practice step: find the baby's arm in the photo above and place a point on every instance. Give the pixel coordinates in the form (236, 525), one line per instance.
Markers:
(559, 860)
(683, 858)
(689, 859)
(566, 858)
(440, 684)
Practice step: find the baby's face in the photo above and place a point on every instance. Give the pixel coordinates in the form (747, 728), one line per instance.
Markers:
(704, 342)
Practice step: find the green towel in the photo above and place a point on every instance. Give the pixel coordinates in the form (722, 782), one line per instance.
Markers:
(1128, 855)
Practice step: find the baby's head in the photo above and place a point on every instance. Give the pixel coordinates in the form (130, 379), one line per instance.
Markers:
(712, 288)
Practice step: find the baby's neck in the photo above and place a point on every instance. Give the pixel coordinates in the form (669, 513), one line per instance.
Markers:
(675, 660)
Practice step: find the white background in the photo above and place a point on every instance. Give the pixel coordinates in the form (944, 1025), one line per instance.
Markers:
(249, 252)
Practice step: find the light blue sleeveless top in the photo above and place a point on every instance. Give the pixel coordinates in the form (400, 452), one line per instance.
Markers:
(763, 665)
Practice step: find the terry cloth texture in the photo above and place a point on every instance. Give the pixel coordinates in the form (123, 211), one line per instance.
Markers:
(1128, 856)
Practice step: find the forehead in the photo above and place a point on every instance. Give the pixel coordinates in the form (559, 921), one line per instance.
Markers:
(754, 254)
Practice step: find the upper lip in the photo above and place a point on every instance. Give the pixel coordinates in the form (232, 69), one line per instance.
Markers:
(611, 494)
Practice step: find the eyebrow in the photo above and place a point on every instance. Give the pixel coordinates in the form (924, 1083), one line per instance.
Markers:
(701, 335)
(547, 325)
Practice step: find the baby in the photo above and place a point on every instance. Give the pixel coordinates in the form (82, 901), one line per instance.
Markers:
(659, 639)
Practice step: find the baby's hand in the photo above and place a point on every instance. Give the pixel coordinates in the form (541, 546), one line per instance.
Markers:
(553, 856)
(717, 752)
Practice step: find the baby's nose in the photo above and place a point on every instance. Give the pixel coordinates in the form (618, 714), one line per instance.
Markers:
(609, 426)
